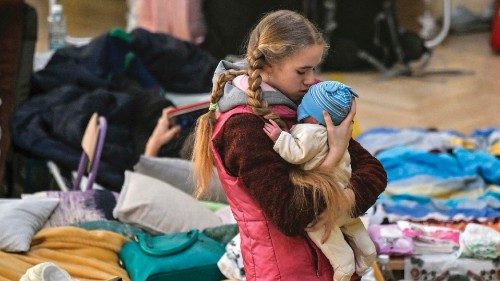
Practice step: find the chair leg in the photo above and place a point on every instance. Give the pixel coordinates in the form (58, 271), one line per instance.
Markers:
(103, 125)
(81, 169)
(54, 170)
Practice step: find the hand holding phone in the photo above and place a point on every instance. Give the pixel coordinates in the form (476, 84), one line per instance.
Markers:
(164, 132)
(186, 116)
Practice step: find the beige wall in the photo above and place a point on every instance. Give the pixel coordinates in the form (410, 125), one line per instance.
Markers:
(85, 18)
(476, 6)
(410, 10)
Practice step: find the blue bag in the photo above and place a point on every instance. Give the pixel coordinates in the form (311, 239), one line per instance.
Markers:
(179, 256)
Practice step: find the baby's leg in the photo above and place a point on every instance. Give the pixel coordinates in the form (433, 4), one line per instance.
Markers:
(338, 252)
(361, 243)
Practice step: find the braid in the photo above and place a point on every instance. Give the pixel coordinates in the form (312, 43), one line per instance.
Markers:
(278, 36)
(218, 88)
(202, 153)
(254, 93)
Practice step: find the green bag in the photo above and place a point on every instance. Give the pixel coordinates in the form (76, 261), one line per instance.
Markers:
(183, 256)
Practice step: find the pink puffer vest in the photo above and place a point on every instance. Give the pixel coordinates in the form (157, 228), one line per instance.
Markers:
(267, 253)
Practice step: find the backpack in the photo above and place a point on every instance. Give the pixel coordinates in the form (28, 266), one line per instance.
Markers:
(230, 21)
(365, 34)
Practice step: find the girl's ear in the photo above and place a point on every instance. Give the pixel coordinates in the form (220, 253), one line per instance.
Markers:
(267, 72)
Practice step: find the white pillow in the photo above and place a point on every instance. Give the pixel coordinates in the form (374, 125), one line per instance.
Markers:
(159, 207)
(20, 219)
(179, 173)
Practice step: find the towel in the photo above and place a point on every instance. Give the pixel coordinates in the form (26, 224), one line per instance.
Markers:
(84, 254)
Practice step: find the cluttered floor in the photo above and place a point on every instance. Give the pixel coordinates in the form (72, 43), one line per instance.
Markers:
(437, 135)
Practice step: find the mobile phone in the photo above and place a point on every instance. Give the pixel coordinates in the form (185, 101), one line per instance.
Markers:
(185, 116)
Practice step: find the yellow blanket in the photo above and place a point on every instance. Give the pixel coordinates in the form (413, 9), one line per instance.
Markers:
(84, 254)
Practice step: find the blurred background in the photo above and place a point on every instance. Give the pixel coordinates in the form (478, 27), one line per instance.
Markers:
(461, 102)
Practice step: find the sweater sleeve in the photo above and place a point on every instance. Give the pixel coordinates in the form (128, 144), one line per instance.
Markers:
(368, 179)
(248, 153)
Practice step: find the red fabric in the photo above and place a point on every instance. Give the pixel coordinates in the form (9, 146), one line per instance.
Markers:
(244, 147)
(182, 19)
(495, 31)
(256, 182)
(267, 253)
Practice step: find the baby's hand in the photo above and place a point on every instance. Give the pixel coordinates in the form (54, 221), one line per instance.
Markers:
(272, 130)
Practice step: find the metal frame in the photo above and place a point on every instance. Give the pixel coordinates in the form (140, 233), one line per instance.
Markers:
(93, 166)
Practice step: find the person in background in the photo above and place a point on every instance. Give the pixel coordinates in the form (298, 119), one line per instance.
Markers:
(164, 131)
(174, 171)
(349, 247)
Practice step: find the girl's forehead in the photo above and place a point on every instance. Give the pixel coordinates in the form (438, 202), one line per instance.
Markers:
(307, 57)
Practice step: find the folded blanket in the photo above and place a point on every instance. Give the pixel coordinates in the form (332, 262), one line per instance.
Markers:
(84, 254)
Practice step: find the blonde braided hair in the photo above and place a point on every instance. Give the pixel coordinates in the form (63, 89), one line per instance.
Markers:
(277, 36)
(202, 157)
(254, 92)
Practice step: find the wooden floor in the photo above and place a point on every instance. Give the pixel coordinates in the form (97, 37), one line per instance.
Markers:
(463, 102)
(459, 102)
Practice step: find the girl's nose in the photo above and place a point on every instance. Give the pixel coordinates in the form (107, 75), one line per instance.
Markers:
(310, 79)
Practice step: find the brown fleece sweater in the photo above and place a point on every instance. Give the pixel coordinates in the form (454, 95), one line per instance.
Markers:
(248, 153)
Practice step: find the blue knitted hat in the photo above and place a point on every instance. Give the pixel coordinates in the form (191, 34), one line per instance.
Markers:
(332, 96)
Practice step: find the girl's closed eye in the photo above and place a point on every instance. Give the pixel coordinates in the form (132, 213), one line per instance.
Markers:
(304, 70)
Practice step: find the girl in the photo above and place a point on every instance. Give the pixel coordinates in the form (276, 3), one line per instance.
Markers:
(349, 247)
(282, 52)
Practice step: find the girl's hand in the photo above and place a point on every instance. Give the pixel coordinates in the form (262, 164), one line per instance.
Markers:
(338, 138)
(272, 130)
(163, 133)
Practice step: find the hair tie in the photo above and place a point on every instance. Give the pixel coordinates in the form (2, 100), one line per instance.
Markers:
(212, 107)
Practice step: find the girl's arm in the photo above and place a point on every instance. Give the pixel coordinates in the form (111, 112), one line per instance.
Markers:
(368, 179)
(338, 138)
(248, 153)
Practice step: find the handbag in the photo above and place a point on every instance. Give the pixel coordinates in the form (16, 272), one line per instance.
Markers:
(178, 256)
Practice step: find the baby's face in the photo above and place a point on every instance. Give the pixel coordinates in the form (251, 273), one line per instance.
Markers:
(310, 120)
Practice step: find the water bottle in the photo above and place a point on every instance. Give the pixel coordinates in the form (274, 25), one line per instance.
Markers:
(384, 268)
(57, 27)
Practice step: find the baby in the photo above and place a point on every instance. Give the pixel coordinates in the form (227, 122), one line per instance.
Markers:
(349, 248)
